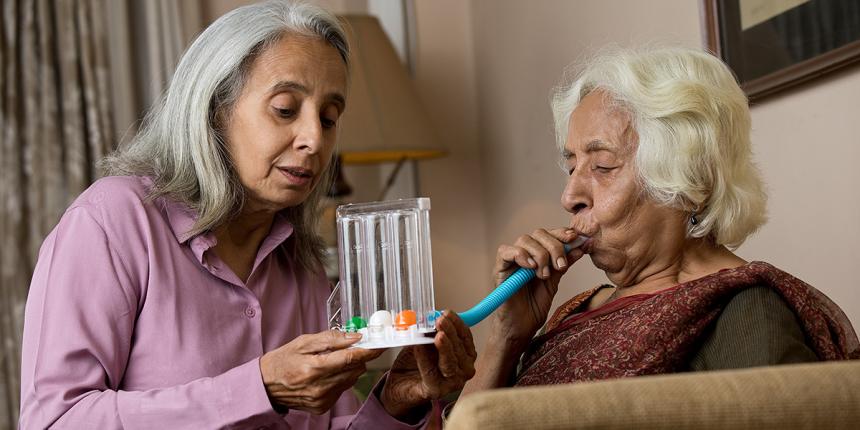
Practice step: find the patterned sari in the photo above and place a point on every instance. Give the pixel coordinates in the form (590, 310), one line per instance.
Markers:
(660, 332)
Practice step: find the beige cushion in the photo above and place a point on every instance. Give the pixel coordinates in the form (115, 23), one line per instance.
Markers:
(803, 396)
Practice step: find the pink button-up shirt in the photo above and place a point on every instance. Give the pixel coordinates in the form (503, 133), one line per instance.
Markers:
(132, 323)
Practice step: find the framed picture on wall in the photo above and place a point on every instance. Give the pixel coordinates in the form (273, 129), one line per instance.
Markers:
(775, 44)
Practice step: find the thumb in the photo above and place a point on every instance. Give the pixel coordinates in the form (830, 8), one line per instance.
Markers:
(564, 235)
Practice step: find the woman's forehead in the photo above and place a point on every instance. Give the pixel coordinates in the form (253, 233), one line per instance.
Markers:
(309, 62)
(598, 124)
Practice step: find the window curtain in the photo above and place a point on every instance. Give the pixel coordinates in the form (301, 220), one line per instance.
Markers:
(75, 77)
(54, 124)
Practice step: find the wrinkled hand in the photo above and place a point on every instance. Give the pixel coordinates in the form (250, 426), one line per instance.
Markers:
(310, 372)
(428, 372)
(520, 317)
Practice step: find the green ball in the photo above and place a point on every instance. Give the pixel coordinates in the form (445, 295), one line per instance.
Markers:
(355, 324)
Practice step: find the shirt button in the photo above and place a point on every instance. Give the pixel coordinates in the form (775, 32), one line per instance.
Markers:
(250, 312)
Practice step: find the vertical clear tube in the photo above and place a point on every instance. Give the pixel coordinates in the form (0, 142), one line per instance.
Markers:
(425, 262)
(352, 270)
(376, 292)
(406, 313)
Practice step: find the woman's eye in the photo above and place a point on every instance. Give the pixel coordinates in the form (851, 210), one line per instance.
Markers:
(604, 169)
(285, 112)
(328, 123)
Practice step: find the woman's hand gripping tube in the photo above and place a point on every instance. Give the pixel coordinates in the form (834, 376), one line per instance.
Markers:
(507, 289)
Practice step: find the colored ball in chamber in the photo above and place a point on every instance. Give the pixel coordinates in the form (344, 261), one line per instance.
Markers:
(355, 324)
(380, 318)
(405, 319)
(432, 317)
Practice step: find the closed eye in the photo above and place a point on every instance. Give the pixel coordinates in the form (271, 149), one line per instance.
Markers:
(567, 162)
(570, 167)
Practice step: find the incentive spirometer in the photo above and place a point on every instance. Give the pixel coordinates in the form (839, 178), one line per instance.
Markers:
(385, 291)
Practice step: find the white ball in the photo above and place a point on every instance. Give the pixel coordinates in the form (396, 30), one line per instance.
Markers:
(381, 318)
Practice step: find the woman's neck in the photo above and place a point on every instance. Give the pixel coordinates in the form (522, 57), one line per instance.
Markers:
(697, 258)
(239, 240)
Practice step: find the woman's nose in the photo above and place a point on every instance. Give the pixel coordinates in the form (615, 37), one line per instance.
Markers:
(309, 134)
(576, 196)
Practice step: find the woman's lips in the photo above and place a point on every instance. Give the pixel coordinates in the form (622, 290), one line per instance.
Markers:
(297, 175)
(588, 246)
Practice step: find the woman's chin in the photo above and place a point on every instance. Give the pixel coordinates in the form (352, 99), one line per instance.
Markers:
(289, 203)
(277, 201)
(606, 262)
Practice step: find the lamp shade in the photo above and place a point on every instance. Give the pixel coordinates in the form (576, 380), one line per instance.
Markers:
(384, 119)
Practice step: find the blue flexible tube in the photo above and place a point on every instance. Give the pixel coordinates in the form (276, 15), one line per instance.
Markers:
(507, 289)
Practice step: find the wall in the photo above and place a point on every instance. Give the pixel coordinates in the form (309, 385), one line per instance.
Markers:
(446, 81)
(808, 144)
(807, 141)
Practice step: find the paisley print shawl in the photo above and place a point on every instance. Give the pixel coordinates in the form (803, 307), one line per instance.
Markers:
(659, 333)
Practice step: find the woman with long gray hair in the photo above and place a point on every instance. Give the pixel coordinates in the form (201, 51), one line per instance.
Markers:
(186, 289)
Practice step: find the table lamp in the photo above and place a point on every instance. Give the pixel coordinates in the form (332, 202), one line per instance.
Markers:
(384, 120)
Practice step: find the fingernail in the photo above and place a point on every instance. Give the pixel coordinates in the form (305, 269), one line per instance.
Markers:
(561, 262)
(546, 272)
(353, 336)
(532, 262)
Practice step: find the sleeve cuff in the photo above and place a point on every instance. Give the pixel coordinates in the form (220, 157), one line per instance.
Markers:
(373, 415)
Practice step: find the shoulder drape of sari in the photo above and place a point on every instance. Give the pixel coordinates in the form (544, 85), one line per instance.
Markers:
(658, 333)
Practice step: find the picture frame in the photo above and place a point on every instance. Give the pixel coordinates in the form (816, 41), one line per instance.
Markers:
(772, 45)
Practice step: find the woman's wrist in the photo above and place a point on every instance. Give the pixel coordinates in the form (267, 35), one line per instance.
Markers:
(496, 364)
(269, 384)
(267, 372)
(502, 339)
(504, 352)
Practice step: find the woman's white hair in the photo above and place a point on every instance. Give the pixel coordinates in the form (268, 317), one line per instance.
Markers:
(181, 142)
(693, 121)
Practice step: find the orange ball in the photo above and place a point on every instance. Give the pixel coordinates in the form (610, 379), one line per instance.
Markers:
(404, 319)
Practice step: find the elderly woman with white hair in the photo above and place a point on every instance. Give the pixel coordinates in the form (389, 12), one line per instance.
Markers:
(656, 145)
(187, 290)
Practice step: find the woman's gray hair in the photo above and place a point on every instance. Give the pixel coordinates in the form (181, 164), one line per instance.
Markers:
(693, 122)
(181, 142)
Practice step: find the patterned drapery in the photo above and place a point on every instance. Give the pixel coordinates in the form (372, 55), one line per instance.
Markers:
(55, 123)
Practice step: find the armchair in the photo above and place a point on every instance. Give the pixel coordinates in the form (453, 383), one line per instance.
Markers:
(824, 395)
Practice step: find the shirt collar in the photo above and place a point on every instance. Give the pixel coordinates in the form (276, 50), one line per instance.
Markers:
(281, 230)
(180, 217)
